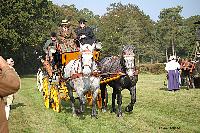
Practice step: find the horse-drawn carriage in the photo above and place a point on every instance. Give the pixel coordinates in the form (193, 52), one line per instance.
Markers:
(190, 68)
(79, 72)
(190, 73)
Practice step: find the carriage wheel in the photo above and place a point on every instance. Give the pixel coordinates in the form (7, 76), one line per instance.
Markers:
(99, 100)
(46, 92)
(55, 97)
(89, 98)
(64, 91)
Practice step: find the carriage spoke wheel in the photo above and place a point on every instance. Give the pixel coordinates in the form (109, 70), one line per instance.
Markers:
(99, 100)
(55, 99)
(46, 92)
(89, 98)
(64, 92)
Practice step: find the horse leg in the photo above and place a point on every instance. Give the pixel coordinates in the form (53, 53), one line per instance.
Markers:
(113, 101)
(103, 91)
(119, 102)
(192, 82)
(132, 90)
(94, 97)
(82, 102)
(188, 82)
(72, 100)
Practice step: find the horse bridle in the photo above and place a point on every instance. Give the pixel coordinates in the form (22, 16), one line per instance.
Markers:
(124, 67)
(82, 66)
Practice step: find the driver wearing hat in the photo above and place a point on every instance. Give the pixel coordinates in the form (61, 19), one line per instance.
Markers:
(67, 35)
(66, 31)
(85, 34)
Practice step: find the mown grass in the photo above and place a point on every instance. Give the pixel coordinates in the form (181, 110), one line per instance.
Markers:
(156, 110)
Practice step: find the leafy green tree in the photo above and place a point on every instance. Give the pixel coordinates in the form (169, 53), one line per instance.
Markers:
(126, 24)
(168, 28)
(24, 26)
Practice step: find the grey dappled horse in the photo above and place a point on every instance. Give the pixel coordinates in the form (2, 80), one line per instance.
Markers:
(82, 78)
(125, 64)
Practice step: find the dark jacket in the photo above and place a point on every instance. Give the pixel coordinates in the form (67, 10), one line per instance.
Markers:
(9, 84)
(87, 31)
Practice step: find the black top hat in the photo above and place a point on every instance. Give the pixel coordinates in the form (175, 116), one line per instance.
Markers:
(82, 20)
(53, 34)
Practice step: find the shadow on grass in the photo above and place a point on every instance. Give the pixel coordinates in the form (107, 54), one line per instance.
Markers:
(66, 108)
(181, 88)
(164, 89)
(186, 88)
(14, 106)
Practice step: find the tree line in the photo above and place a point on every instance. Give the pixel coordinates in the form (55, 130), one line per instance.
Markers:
(25, 25)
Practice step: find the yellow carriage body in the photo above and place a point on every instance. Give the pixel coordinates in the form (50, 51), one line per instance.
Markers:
(74, 55)
(68, 56)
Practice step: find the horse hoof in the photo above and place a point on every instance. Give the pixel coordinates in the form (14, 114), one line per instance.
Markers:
(74, 115)
(129, 108)
(78, 111)
(103, 110)
(119, 115)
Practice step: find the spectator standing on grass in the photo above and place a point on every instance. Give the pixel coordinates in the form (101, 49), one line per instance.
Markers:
(9, 84)
(172, 68)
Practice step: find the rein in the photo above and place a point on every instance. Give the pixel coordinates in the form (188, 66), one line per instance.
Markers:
(78, 75)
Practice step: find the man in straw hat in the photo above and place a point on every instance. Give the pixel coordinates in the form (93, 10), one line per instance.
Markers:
(172, 68)
(67, 35)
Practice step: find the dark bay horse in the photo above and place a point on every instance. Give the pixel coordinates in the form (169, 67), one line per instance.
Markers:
(124, 64)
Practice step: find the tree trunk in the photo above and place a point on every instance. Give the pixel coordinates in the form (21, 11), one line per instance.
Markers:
(151, 61)
(173, 51)
(166, 54)
(138, 59)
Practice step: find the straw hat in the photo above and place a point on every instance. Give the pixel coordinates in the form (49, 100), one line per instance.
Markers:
(65, 22)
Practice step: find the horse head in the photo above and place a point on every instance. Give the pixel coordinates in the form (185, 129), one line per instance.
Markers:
(128, 60)
(87, 61)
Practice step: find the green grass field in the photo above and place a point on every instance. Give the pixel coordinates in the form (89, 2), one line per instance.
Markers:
(156, 110)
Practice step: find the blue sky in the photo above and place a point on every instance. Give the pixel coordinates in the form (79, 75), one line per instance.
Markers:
(150, 7)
